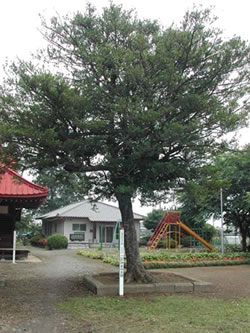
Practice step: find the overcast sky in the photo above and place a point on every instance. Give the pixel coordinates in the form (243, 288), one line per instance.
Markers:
(20, 22)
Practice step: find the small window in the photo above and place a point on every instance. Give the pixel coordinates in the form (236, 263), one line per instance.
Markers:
(55, 227)
(79, 227)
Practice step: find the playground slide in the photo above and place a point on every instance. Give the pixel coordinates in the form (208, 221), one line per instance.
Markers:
(194, 234)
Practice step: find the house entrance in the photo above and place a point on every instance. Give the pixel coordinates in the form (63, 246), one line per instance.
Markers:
(106, 234)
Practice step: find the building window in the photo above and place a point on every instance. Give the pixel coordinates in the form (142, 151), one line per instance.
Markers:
(55, 227)
(79, 227)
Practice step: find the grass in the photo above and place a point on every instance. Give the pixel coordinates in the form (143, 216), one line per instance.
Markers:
(175, 314)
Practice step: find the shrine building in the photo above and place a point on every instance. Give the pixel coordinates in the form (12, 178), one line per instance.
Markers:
(16, 193)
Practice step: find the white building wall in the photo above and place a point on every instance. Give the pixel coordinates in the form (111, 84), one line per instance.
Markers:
(68, 228)
(60, 228)
(137, 228)
(53, 227)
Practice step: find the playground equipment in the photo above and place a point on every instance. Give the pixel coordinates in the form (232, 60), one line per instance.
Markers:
(171, 224)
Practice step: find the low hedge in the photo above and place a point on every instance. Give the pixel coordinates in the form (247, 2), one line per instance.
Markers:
(57, 242)
(172, 264)
(91, 254)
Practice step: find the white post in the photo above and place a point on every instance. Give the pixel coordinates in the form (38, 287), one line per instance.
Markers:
(221, 212)
(14, 248)
(213, 219)
(121, 268)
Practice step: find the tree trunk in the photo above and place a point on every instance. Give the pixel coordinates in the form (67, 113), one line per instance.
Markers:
(135, 269)
(243, 232)
(244, 241)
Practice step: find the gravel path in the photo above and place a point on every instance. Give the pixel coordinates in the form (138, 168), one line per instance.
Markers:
(32, 290)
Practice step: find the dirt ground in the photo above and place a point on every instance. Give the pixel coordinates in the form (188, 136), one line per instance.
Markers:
(32, 290)
(159, 277)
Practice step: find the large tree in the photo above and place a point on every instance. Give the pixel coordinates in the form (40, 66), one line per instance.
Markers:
(64, 188)
(131, 104)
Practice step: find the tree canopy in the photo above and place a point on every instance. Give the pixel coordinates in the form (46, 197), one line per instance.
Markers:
(153, 219)
(229, 172)
(133, 105)
(64, 188)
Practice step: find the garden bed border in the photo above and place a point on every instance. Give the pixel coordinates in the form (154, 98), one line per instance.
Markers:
(101, 289)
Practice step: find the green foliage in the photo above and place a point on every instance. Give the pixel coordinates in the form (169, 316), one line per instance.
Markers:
(161, 265)
(164, 243)
(38, 240)
(28, 225)
(108, 259)
(57, 242)
(132, 105)
(91, 254)
(209, 231)
(174, 260)
(200, 256)
(153, 219)
(166, 260)
(144, 240)
(112, 261)
(64, 188)
(229, 171)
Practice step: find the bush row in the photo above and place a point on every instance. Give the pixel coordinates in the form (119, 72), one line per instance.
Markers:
(53, 242)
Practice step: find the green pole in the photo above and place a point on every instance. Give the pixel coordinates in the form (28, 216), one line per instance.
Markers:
(101, 236)
(119, 227)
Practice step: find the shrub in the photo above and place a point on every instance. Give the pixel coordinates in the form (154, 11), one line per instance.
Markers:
(164, 244)
(210, 232)
(57, 242)
(38, 240)
(144, 241)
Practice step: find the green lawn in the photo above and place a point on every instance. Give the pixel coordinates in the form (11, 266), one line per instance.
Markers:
(160, 314)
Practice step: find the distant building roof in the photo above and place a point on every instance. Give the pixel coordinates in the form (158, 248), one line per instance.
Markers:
(94, 211)
(14, 188)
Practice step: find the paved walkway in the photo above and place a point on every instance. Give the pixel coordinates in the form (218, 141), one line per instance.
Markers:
(32, 290)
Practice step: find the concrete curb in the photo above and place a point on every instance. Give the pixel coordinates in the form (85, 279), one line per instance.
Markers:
(102, 289)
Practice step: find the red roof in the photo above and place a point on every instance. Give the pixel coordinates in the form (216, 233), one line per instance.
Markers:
(12, 185)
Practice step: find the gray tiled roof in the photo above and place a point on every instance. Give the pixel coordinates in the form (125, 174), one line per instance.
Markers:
(96, 211)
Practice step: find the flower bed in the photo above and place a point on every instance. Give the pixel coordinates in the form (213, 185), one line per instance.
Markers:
(174, 260)
(166, 260)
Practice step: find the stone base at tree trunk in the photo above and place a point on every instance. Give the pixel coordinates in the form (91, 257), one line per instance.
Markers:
(107, 284)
